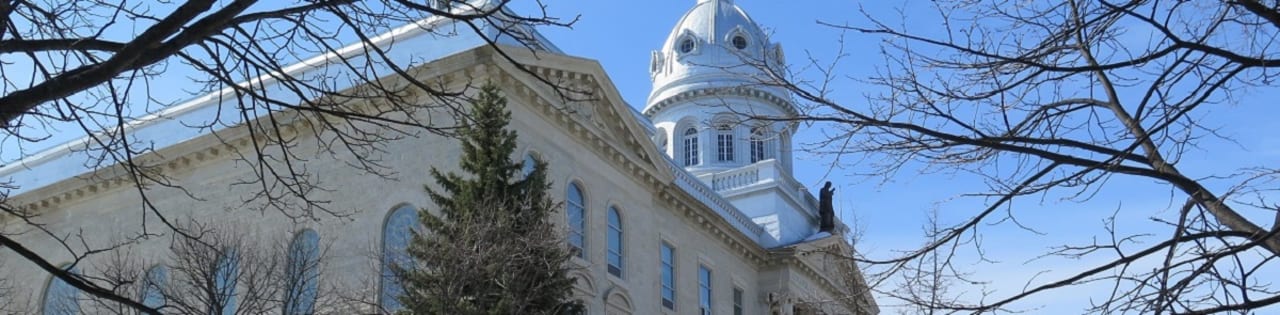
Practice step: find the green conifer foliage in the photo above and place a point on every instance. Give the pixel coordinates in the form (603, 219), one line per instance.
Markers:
(491, 249)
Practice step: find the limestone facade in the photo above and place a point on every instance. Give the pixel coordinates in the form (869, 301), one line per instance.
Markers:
(600, 144)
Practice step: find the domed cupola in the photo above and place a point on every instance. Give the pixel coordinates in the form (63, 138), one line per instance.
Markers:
(711, 81)
(715, 44)
(710, 75)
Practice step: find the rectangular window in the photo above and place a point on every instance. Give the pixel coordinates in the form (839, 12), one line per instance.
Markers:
(615, 243)
(668, 256)
(757, 150)
(737, 301)
(691, 151)
(724, 142)
(704, 290)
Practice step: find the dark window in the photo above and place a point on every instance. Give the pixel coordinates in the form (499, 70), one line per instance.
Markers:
(761, 145)
(577, 220)
(724, 143)
(704, 290)
(739, 42)
(737, 301)
(668, 256)
(686, 45)
(691, 147)
(615, 243)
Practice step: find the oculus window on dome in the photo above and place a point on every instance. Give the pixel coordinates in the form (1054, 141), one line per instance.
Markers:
(686, 43)
(739, 42)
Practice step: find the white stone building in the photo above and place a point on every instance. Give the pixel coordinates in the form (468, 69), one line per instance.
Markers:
(683, 207)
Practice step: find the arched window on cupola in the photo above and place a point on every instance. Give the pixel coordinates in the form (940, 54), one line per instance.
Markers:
(764, 144)
(724, 142)
(691, 146)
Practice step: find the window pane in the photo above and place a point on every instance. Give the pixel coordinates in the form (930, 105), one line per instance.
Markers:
(615, 242)
(152, 290)
(225, 277)
(724, 143)
(704, 289)
(691, 146)
(529, 163)
(395, 241)
(737, 301)
(302, 274)
(668, 276)
(760, 145)
(577, 219)
(60, 298)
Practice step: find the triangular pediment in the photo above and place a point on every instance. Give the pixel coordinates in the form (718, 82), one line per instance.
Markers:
(587, 103)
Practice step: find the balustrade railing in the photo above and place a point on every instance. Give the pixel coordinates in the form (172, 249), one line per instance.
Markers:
(708, 196)
(761, 172)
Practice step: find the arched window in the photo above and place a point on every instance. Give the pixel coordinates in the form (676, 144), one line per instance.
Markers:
(226, 274)
(152, 294)
(615, 243)
(577, 219)
(302, 274)
(690, 147)
(529, 163)
(60, 298)
(396, 233)
(724, 143)
(763, 144)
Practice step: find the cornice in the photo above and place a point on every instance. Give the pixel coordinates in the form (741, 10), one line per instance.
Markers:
(743, 91)
(625, 156)
(793, 257)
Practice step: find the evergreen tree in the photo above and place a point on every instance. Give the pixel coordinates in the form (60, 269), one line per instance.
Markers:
(491, 249)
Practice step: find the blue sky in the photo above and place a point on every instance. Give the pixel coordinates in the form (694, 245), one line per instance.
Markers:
(890, 212)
